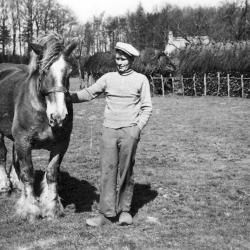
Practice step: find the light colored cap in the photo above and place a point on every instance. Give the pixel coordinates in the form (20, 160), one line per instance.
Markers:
(127, 48)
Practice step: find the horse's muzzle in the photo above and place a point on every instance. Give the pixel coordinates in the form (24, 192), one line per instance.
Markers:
(56, 120)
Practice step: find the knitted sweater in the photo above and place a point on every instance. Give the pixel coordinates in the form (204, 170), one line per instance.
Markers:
(128, 99)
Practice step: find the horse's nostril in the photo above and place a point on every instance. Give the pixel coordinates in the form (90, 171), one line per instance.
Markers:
(56, 119)
(51, 123)
(52, 120)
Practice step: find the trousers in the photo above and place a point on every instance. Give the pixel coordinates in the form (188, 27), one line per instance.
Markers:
(117, 158)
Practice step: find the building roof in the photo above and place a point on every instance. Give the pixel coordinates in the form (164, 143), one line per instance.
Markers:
(181, 42)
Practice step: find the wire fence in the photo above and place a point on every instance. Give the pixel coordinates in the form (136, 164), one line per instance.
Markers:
(202, 85)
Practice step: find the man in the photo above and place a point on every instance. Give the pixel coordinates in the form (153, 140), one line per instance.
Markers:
(127, 111)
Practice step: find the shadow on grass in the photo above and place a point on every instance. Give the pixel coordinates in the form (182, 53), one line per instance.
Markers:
(143, 194)
(82, 194)
(79, 193)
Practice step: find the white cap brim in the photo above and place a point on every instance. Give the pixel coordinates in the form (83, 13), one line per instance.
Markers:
(127, 48)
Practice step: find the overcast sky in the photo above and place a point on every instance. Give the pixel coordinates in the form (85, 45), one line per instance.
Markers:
(85, 10)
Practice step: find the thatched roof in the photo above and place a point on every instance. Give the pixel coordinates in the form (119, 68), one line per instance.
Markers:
(215, 57)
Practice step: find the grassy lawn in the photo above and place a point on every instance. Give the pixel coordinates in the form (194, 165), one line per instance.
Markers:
(192, 182)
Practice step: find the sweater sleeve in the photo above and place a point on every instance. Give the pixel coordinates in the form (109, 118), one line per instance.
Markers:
(146, 104)
(89, 93)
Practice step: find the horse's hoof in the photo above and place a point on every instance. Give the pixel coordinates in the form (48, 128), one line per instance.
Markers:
(27, 209)
(53, 214)
(60, 213)
(51, 209)
(31, 218)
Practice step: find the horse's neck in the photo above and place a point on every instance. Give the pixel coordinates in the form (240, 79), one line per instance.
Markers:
(35, 99)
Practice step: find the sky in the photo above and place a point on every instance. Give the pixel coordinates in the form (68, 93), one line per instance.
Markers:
(85, 10)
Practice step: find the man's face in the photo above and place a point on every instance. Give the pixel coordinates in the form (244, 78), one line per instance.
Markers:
(123, 62)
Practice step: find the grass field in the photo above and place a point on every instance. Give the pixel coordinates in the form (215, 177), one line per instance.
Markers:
(192, 182)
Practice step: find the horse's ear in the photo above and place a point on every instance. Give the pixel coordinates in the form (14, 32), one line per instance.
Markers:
(38, 49)
(68, 50)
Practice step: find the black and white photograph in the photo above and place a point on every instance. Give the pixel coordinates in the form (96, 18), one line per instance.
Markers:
(124, 125)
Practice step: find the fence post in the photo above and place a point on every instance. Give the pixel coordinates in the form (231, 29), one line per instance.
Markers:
(153, 85)
(182, 84)
(162, 86)
(228, 86)
(218, 89)
(242, 86)
(205, 84)
(194, 81)
(172, 81)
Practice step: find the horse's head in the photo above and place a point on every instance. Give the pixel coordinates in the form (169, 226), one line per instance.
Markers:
(53, 77)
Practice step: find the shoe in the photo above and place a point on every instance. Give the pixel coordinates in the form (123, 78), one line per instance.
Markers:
(97, 221)
(125, 219)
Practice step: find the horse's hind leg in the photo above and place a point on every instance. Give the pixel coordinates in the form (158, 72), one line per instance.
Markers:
(4, 179)
(50, 201)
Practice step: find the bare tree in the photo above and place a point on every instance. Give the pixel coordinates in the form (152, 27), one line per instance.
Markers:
(14, 22)
(28, 9)
(89, 38)
(242, 23)
(99, 33)
(4, 29)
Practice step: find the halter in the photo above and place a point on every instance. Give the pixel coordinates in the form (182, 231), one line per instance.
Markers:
(46, 92)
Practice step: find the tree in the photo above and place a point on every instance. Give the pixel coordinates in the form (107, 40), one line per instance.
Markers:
(13, 5)
(28, 10)
(137, 27)
(242, 23)
(89, 38)
(158, 28)
(112, 27)
(100, 38)
(4, 30)
(231, 22)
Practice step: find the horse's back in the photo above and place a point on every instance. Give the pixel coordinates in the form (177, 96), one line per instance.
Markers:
(12, 76)
(7, 69)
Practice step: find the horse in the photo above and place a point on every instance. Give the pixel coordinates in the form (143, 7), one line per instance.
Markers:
(35, 113)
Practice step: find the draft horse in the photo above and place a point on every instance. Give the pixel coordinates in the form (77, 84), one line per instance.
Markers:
(35, 114)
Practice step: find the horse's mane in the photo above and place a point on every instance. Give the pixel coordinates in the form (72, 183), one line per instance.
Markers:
(53, 45)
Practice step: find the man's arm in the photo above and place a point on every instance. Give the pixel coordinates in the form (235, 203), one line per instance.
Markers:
(146, 104)
(80, 96)
(89, 93)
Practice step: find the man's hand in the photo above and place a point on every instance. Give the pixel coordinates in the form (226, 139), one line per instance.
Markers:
(68, 97)
(72, 97)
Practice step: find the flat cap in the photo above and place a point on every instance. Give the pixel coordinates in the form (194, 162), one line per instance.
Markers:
(127, 48)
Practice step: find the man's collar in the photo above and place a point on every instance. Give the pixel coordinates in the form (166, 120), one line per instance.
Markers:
(128, 72)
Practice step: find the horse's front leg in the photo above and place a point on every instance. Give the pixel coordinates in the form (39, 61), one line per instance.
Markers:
(16, 183)
(27, 205)
(51, 205)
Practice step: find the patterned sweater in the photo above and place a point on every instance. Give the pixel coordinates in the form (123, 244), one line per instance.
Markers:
(128, 99)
